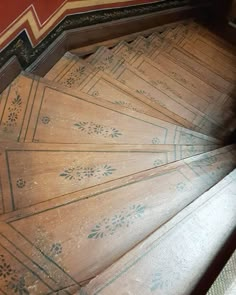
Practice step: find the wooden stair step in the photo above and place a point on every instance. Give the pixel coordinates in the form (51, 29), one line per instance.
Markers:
(48, 113)
(176, 71)
(222, 103)
(201, 40)
(67, 73)
(170, 50)
(173, 81)
(105, 60)
(143, 45)
(31, 174)
(173, 259)
(206, 82)
(96, 227)
(216, 60)
(225, 283)
(99, 84)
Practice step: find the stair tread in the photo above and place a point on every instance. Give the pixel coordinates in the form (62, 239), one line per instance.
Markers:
(141, 83)
(175, 81)
(99, 84)
(189, 62)
(179, 253)
(92, 220)
(208, 54)
(80, 118)
(49, 171)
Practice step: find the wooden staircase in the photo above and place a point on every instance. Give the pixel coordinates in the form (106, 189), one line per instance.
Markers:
(114, 174)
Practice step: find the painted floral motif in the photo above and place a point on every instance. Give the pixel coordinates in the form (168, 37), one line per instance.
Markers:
(109, 226)
(13, 281)
(56, 249)
(167, 277)
(158, 162)
(45, 120)
(95, 93)
(188, 138)
(5, 269)
(20, 183)
(182, 187)
(75, 76)
(97, 129)
(18, 286)
(79, 173)
(205, 162)
(14, 110)
(166, 87)
(104, 64)
(143, 92)
(129, 106)
(190, 151)
(181, 79)
(156, 140)
(126, 52)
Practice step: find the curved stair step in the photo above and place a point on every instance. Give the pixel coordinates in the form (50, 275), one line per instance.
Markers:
(174, 81)
(105, 59)
(179, 82)
(80, 75)
(49, 113)
(173, 259)
(31, 174)
(76, 240)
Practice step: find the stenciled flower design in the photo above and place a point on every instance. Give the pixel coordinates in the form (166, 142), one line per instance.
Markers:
(98, 129)
(181, 187)
(124, 218)
(74, 76)
(12, 117)
(156, 140)
(20, 183)
(18, 286)
(5, 270)
(13, 281)
(45, 120)
(158, 162)
(78, 172)
(205, 162)
(89, 172)
(95, 93)
(56, 249)
(14, 110)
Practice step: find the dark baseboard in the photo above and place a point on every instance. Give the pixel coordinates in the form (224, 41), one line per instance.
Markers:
(39, 63)
(9, 72)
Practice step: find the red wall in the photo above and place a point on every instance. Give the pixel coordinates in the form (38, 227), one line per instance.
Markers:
(13, 12)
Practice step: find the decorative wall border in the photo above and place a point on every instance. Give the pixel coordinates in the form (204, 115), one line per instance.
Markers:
(77, 31)
(22, 48)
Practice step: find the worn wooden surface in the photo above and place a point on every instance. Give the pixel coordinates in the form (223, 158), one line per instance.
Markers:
(48, 113)
(31, 174)
(173, 259)
(105, 224)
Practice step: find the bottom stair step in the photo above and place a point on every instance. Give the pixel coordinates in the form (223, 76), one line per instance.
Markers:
(173, 259)
(73, 240)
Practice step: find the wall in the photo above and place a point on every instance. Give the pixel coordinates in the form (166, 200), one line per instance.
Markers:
(38, 17)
